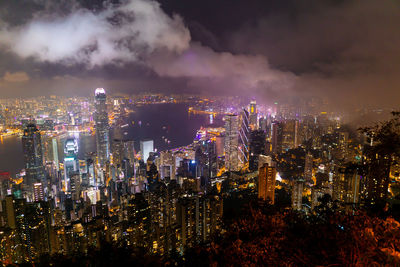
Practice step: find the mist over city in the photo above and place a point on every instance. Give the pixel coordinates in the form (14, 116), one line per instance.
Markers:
(155, 132)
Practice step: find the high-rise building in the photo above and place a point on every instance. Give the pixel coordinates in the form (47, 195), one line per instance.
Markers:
(232, 143)
(117, 150)
(146, 146)
(257, 147)
(290, 134)
(308, 167)
(297, 194)
(244, 133)
(38, 194)
(253, 121)
(33, 157)
(55, 153)
(276, 137)
(266, 183)
(70, 162)
(129, 150)
(102, 127)
(346, 185)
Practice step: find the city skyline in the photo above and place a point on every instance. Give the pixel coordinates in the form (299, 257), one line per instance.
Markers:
(178, 133)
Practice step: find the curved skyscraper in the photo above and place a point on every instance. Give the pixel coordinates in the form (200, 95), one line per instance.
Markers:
(102, 127)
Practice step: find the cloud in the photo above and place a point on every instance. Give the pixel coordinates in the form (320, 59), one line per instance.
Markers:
(139, 31)
(16, 77)
(118, 34)
(200, 62)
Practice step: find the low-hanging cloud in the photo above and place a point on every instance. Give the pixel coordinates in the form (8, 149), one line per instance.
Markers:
(247, 71)
(15, 77)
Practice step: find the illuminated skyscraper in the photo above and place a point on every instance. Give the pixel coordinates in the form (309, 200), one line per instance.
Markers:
(266, 183)
(253, 115)
(70, 162)
(33, 157)
(55, 152)
(38, 194)
(146, 146)
(231, 143)
(290, 134)
(276, 137)
(117, 150)
(308, 167)
(244, 133)
(102, 127)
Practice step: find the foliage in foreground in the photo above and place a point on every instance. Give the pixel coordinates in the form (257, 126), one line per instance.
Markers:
(289, 239)
(266, 235)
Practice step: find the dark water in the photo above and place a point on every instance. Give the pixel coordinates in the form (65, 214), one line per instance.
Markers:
(170, 121)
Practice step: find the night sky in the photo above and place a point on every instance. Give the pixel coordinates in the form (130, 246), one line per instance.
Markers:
(348, 51)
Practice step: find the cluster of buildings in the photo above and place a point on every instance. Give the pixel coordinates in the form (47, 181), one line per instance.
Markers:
(170, 200)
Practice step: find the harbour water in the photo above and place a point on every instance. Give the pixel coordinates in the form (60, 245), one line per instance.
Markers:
(169, 125)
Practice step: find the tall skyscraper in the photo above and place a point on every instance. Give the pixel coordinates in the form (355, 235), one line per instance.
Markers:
(308, 167)
(290, 134)
(102, 127)
(232, 143)
(117, 150)
(70, 162)
(276, 137)
(244, 133)
(146, 146)
(266, 183)
(55, 153)
(253, 115)
(258, 147)
(33, 157)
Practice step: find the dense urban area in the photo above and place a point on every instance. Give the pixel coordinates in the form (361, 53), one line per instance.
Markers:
(291, 162)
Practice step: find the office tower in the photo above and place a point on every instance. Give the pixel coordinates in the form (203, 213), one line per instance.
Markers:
(308, 167)
(70, 162)
(244, 133)
(297, 194)
(290, 135)
(102, 128)
(219, 144)
(346, 185)
(266, 183)
(117, 150)
(231, 143)
(55, 153)
(146, 146)
(33, 157)
(167, 165)
(375, 183)
(253, 121)
(276, 137)
(129, 151)
(90, 172)
(257, 147)
(38, 194)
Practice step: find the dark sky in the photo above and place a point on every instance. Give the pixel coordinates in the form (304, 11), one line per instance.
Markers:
(347, 51)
